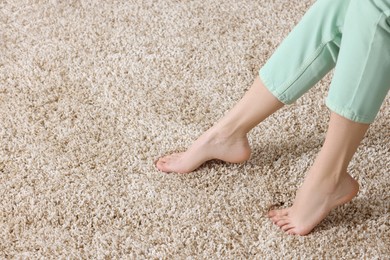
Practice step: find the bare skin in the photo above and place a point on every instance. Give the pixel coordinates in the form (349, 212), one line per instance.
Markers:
(227, 140)
(211, 145)
(315, 199)
(326, 186)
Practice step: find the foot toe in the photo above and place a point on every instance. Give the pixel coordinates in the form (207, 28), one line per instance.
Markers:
(160, 164)
(169, 157)
(291, 231)
(287, 228)
(282, 222)
(278, 219)
(161, 160)
(283, 212)
(278, 212)
(272, 213)
(275, 219)
(164, 164)
(277, 215)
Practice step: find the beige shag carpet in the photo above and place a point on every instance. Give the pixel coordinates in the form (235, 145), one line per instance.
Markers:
(92, 92)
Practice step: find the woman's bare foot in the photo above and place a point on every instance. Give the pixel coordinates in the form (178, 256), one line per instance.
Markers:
(211, 145)
(327, 185)
(315, 199)
(227, 140)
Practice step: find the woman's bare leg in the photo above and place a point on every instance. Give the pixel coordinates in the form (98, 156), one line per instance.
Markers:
(227, 140)
(327, 185)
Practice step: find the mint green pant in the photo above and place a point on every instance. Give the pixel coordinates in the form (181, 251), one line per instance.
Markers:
(352, 36)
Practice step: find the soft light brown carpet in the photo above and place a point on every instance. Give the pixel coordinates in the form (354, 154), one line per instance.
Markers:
(91, 92)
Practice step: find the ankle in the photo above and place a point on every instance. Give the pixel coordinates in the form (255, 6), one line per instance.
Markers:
(330, 170)
(229, 130)
(331, 178)
(227, 135)
(341, 181)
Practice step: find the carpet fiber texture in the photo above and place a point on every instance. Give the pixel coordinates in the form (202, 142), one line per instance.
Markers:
(92, 92)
